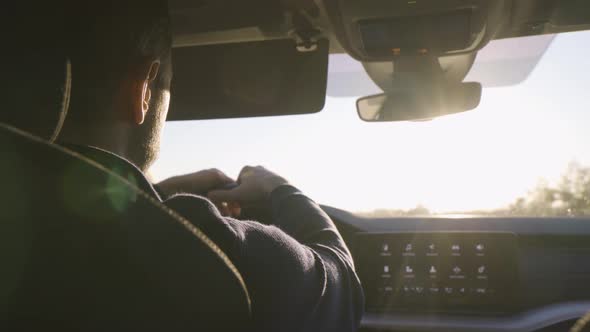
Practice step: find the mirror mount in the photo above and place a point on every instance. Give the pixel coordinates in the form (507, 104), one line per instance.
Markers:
(419, 90)
(413, 73)
(306, 36)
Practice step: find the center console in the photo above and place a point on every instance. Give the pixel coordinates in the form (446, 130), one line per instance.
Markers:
(463, 272)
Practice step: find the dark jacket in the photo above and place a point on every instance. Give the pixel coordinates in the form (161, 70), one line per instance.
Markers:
(298, 270)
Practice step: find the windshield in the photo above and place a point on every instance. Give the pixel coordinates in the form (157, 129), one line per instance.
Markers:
(523, 151)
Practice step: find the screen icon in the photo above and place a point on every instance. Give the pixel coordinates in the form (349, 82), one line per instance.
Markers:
(432, 250)
(481, 290)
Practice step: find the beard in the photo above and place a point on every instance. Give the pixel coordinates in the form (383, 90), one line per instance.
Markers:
(144, 141)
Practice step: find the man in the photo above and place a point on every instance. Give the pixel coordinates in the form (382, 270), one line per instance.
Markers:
(298, 271)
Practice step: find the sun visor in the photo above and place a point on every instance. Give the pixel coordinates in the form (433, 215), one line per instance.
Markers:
(251, 79)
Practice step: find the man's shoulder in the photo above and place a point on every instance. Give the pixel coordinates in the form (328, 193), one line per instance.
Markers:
(199, 211)
(193, 203)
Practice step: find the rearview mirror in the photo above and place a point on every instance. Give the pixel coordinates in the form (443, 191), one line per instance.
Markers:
(418, 105)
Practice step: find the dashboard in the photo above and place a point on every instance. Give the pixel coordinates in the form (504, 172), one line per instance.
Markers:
(470, 274)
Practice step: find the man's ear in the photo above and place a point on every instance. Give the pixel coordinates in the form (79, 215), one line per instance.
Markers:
(143, 93)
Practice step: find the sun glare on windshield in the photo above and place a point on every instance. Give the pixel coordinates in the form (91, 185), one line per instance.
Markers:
(523, 151)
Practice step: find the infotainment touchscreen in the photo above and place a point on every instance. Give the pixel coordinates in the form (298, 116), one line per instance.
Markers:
(438, 271)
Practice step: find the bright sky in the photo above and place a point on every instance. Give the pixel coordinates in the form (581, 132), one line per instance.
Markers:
(482, 159)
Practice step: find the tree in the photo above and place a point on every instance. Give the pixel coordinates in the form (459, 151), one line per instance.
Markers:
(569, 197)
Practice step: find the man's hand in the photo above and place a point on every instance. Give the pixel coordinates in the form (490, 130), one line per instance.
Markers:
(253, 190)
(198, 183)
(201, 183)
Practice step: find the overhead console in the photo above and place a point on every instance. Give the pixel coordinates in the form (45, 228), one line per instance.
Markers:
(381, 30)
(384, 37)
(456, 272)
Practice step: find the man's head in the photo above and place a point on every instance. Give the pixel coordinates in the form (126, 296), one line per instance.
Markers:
(121, 72)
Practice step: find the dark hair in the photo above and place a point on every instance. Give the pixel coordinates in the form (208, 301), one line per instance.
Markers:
(106, 41)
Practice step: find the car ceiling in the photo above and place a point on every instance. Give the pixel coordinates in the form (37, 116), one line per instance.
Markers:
(203, 22)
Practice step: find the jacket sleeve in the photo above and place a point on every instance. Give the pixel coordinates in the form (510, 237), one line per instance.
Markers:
(298, 271)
